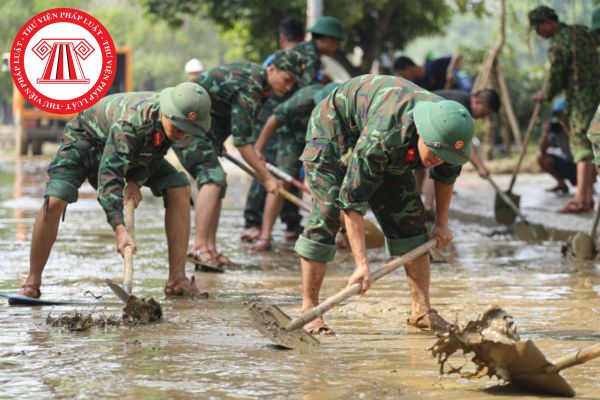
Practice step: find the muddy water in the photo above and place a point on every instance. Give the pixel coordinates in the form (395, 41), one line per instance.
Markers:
(208, 349)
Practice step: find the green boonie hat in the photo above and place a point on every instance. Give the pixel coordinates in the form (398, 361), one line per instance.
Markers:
(290, 61)
(325, 90)
(446, 128)
(595, 20)
(188, 106)
(540, 14)
(329, 26)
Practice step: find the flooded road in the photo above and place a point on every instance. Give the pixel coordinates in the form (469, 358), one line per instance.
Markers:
(208, 349)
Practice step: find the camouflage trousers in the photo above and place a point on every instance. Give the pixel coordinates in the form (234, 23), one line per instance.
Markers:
(579, 121)
(78, 159)
(255, 200)
(199, 155)
(395, 203)
(593, 135)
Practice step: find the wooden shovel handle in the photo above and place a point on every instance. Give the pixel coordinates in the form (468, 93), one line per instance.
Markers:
(582, 356)
(128, 251)
(532, 123)
(354, 289)
(287, 177)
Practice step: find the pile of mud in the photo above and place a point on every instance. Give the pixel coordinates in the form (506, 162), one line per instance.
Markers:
(137, 311)
(491, 339)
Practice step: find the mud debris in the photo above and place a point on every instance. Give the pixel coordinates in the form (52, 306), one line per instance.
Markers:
(490, 339)
(137, 311)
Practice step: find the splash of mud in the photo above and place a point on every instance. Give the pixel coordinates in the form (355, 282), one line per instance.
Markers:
(580, 247)
(137, 311)
(491, 339)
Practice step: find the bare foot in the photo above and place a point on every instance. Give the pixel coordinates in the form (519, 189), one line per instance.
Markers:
(30, 291)
(262, 245)
(250, 234)
(318, 327)
(429, 321)
(184, 287)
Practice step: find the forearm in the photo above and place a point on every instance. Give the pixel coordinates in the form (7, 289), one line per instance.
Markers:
(475, 158)
(249, 155)
(443, 196)
(266, 133)
(355, 230)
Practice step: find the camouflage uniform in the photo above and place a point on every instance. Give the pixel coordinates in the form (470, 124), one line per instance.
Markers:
(312, 70)
(237, 92)
(119, 138)
(574, 68)
(361, 149)
(255, 200)
(593, 135)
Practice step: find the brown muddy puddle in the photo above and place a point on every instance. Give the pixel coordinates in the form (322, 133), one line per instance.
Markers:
(209, 349)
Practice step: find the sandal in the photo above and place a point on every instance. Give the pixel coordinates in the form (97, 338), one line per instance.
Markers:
(184, 287)
(31, 291)
(250, 234)
(429, 321)
(575, 207)
(291, 235)
(262, 245)
(224, 261)
(318, 327)
(563, 189)
(204, 263)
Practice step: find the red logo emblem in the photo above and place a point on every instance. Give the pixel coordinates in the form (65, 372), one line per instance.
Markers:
(63, 61)
(192, 116)
(411, 154)
(158, 137)
(459, 145)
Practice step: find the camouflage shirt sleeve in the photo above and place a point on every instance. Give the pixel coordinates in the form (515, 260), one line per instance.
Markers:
(560, 59)
(593, 135)
(445, 173)
(295, 106)
(364, 174)
(243, 113)
(121, 147)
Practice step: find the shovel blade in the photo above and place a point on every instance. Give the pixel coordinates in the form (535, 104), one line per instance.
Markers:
(527, 371)
(531, 232)
(118, 290)
(502, 212)
(271, 321)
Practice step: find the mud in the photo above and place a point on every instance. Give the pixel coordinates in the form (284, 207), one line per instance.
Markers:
(489, 338)
(77, 321)
(139, 311)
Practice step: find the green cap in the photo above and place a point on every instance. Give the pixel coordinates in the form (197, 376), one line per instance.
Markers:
(541, 14)
(187, 105)
(290, 61)
(325, 90)
(329, 26)
(446, 128)
(595, 20)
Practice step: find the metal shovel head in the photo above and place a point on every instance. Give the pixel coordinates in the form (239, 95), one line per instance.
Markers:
(502, 212)
(528, 371)
(581, 246)
(531, 232)
(373, 236)
(271, 321)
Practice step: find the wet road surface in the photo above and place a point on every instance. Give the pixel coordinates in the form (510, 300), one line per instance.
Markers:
(208, 349)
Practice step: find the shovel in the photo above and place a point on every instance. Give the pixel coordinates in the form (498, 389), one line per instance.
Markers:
(136, 310)
(537, 231)
(373, 235)
(276, 325)
(532, 371)
(504, 213)
(582, 246)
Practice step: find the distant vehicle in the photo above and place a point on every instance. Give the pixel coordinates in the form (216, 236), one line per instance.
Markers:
(40, 126)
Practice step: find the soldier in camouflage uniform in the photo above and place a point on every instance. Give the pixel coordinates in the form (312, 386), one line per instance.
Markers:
(593, 135)
(291, 33)
(289, 121)
(237, 92)
(119, 145)
(362, 143)
(574, 69)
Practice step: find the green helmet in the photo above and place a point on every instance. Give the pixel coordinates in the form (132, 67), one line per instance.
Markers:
(595, 20)
(325, 90)
(187, 105)
(446, 128)
(329, 26)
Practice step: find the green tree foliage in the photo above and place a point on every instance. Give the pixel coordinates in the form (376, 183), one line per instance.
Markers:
(371, 24)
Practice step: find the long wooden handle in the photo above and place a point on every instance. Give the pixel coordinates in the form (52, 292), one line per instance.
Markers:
(528, 133)
(128, 251)
(580, 357)
(595, 224)
(507, 200)
(354, 289)
(287, 177)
